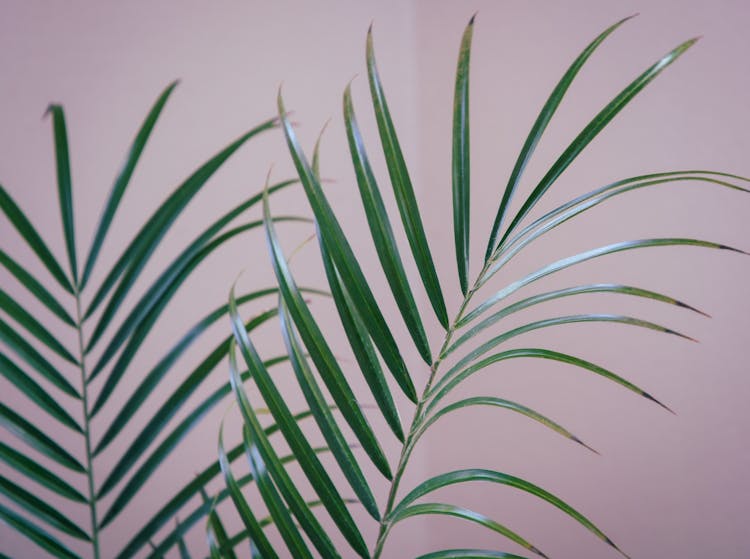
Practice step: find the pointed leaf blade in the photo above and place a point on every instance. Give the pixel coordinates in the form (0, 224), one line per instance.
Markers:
(460, 162)
(345, 260)
(36, 534)
(537, 130)
(324, 418)
(36, 393)
(33, 239)
(382, 234)
(471, 475)
(464, 514)
(64, 186)
(40, 509)
(298, 443)
(597, 124)
(32, 470)
(122, 181)
(320, 352)
(405, 198)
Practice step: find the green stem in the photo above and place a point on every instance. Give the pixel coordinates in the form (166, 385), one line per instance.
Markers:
(416, 422)
(87, 429)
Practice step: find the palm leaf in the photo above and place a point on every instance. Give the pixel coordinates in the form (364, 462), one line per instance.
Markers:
(592, 129)
(64, 186)
(343, 256)
(123, 180)
(29, 233)
(537, 130)
(472, 340)
(403, 189)
(41, 364)
(464, 514)
(320, 351)
(460, 162)
(36, 534)
(382, 234)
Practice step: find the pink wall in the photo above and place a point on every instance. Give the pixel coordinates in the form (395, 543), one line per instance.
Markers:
(665, 486)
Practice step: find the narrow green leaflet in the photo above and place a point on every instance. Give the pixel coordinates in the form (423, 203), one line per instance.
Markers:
(177, 272)
(382, 234)
(32, 325)
(593, 128)
(41, 475)
(152, 379)
(460, 162)
(26, 352)
(182, 546)
(402, 187)
(464, 514)
(324, 418)
(36, 393)
(354, 327)
(33, 239)
(123, 179)
(364, 353)
(583, 257)
(142, 330)
(199, 513)
(346, 262)
(40, 509)
(279, 512)
(450, 380)
(469, 554)
(320, 352)
(557, 321)
(64, 186)
(170, 407)
(252, 527)
(167, 445)
(298, 443)
(469, 475)
(560, 293)
(218, 538)
(34, 287)
(36, 439)
(577, 206)
(500, 403)
(266, 455)
(136, 255)
(36, 534)
(166, 512)
(537, 130)
(240, 537)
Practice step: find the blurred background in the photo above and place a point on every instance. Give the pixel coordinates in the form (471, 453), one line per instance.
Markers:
(664, 486)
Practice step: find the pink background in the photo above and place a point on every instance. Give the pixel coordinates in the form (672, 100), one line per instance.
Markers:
(665, 486)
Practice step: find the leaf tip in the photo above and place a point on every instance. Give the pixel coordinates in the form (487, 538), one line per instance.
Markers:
(692, 308)
(50, 109)
(473, 17)
(732, 249)
(680, 334)
(654, 400)
(583, 444)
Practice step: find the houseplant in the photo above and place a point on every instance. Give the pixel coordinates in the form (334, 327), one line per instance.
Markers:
(283, 498)
(55, 377)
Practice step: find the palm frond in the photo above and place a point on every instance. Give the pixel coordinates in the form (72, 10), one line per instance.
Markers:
(474, 339)
(39, 363)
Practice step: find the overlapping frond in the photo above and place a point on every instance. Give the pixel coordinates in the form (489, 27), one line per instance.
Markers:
(474, 340)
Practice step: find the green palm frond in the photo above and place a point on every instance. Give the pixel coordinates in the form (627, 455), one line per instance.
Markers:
(51, 377)
(473, 340)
